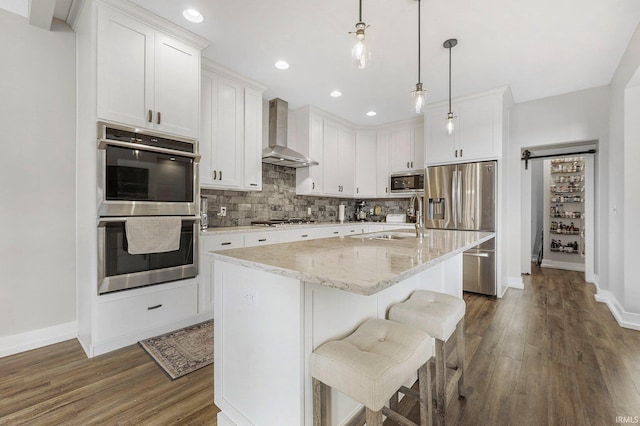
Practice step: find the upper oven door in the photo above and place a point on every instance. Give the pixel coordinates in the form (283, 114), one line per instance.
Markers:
(137, 179)
(407, 182)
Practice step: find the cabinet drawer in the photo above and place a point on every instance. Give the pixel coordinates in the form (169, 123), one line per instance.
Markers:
(261, 238)
(128, 315)
(222, 242)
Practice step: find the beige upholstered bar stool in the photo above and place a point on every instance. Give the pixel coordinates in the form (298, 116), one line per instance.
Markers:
(370, 365)
(441, 316)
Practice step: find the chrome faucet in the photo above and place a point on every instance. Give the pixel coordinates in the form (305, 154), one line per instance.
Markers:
(419, 215)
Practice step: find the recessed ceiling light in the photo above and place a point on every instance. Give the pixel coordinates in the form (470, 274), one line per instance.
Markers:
(371, 113)
(282, 65)
(336, 93)
(192, 15)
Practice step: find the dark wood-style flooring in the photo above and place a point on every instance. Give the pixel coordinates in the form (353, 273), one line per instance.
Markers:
(546, 355)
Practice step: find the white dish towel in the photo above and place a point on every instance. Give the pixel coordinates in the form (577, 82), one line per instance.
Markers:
(153, 234)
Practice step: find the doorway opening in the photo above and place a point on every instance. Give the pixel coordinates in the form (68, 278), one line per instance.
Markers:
(558, 196)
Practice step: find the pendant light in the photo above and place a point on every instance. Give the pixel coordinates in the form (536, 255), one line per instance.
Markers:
(450, 44)
(359, 53)
(418, 95)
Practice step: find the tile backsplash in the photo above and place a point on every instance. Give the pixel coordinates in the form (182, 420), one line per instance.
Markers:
(278, 200)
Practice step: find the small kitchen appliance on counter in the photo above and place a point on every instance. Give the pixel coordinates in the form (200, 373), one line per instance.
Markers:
(361, 211)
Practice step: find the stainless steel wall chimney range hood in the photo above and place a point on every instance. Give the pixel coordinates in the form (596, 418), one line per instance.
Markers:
(277, 152)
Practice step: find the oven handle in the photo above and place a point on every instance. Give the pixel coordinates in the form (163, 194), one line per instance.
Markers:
(102, 144)
(104, 220)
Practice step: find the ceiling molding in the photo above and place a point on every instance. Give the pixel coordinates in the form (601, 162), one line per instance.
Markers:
(41, 13)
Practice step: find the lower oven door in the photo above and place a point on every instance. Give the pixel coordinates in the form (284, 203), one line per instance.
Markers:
(119, 270)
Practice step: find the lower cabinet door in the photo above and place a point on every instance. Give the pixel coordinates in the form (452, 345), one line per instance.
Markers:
(131, 314)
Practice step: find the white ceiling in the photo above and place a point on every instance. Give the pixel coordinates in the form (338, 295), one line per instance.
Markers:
(540, 48)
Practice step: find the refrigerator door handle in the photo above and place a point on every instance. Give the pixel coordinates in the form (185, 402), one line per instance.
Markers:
(454, 198)
(459, 196)
(476, 254)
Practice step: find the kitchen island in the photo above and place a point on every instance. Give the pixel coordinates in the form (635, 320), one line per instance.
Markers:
(274, 304)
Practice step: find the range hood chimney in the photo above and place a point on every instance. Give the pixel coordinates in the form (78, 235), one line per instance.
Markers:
(277, 152)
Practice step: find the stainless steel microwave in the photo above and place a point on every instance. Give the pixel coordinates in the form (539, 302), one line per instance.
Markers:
(407, 182)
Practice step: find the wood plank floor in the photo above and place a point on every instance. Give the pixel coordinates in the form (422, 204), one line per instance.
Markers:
(546, 355)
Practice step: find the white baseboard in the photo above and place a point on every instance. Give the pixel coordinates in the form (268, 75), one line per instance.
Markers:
(516, 282)
(623, 318)
(34, 339)
(102, 347)
(568, 266)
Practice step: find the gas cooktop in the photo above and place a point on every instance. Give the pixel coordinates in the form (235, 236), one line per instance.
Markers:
(281, 222)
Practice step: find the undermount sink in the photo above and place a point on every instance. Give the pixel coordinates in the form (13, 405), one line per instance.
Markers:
(395, 235)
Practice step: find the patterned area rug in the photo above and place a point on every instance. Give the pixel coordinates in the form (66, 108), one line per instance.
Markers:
(182, 351)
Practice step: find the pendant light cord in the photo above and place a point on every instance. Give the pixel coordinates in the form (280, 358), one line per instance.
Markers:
(418, 41)
(450, 78)
(360, 14)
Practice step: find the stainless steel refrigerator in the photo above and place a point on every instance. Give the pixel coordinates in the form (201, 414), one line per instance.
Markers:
(463, 197)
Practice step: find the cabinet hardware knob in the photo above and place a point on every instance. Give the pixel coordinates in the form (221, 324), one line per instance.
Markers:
(412, 164)
(159, 117)
(150, 116)
(456, 153)
(407, 164)
(335, 232)
(150, 308)
(262, 240)
(357, 190)
(313, 185)
(215, 174)
(386, 189)
(226, 244)
(460, 152)
(220, 177)
(253, 184)
(304, 235)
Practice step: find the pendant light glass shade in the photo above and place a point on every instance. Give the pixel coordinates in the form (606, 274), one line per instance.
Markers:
(359, 53)
(419, 96)
(450, 126)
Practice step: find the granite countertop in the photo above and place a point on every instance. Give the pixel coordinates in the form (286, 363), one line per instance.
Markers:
(255, 228)
(356, 263)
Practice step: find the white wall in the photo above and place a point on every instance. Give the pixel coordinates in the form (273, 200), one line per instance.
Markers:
(572, 117)
(37, 175)
(623, 288)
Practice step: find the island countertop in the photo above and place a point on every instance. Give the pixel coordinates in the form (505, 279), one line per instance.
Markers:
(357, 263)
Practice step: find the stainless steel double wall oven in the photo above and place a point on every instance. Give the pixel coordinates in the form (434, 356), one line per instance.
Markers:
(143, 173)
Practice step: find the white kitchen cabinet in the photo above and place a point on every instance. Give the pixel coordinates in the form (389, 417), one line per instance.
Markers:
(478, 132)
(339, 160)
(129, 314)
(383, 142)
(310, 142)
(252, 139)
(146, 78)
(231, 133)
(366, 162)
(407, 147)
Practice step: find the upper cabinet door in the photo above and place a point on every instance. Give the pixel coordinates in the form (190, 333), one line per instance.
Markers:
(228, 140)
(125, 54)
(177, 89)
(440, 147)
(252, 139)
(330, 173)
(145, 78)
(401, 149)
(366, 161)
